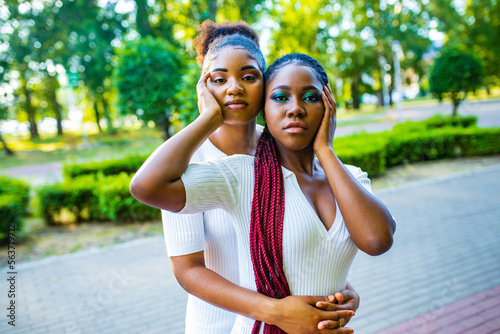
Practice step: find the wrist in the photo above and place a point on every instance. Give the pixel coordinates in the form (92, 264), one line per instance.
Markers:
(269, 313)
(213, 118)
(324, 151)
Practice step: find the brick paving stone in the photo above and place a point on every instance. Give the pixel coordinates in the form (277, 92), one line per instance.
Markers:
(445, 249)
(445, 254)
(459, 317)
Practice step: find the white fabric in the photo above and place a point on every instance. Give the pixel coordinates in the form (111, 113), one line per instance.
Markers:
(316, 261)
(213, 232)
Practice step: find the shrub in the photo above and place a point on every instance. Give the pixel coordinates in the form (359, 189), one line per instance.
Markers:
(441, 143)
(93, 198)
(14, 201)
(18, 188)
(129, 165)
(117, 203)
(440, 121)
(434, 122)
(11, 210)
(70, 201)
(366, 151)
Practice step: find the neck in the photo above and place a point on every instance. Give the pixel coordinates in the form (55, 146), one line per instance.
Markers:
(232, 139)
(296, 161)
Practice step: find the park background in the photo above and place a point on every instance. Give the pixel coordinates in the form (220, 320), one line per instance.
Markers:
(88, 89)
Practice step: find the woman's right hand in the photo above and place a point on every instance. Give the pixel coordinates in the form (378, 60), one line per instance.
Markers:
(206, 100)
(298, 315)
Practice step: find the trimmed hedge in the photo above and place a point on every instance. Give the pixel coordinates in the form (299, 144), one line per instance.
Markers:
(93, 198)
(129, 165)
(441, 143)
(14, 200)
(71, 200)
(91, 192)
(366, 151)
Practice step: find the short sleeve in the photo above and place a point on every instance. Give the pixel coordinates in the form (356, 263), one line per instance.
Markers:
(212, 184)
(361, 176)
(184, 234)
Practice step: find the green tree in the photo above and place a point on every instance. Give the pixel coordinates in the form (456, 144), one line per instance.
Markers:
(147, 75)
(483, 36)
(456, 72)
(4, 115)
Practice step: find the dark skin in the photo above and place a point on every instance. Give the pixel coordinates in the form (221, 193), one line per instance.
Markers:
(162, 188)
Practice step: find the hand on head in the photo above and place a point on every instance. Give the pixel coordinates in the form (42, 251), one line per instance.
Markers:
(206, 100)
(326, 131)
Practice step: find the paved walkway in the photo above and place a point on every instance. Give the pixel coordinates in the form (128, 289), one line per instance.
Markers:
(447, 248)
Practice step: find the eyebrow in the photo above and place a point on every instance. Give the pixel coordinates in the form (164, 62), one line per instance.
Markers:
(303, 88)
(247, 67)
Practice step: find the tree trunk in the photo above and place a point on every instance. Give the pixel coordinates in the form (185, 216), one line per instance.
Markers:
(380, 97)
(391, 88)
(107, 115)
(455, 98)
(97, 116)
(142, 22)
(355, 91)
(30, 110)
(165, 123)
(56, 105)
(5, 147)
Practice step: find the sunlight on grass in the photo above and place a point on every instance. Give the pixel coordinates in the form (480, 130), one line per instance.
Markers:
(70, 148)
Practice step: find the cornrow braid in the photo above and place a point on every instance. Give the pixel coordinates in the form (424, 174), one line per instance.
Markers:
(266, 226)
(299, 59)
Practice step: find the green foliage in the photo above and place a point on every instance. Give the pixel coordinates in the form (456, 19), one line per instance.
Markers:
(456, 72)
(14, 200)
(92, 198)
(434, 122)
(147, 76)
(186, 107)
(366, 151)
(16, 188)
(438, 137)
(128, 165)
(442, 143)
(10, 215)
(71, 200)
(483, 35)
(117, 204)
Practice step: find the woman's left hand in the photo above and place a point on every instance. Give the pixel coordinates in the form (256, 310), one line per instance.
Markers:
(326, 131)
(342, 301)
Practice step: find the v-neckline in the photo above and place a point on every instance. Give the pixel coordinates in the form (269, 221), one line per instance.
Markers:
(338, 217)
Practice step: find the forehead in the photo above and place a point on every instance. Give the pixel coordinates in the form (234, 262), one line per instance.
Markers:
(295, 76)
(232, 57)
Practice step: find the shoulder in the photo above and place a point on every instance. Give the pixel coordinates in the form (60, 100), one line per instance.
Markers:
(356, 172)
(207, 151)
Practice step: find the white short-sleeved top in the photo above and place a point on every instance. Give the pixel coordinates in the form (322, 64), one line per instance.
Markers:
(213, 232)
(316, 260)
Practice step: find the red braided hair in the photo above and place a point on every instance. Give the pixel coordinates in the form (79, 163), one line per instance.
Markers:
(266, 226)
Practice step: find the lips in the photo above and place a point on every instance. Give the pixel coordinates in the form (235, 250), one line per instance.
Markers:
(236, 104)
(296, 126)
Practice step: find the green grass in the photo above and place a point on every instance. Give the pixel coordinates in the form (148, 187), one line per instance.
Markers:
(70, 148)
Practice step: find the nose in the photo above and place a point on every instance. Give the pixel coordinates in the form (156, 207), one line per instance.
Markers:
(295, 110)
(234, 88)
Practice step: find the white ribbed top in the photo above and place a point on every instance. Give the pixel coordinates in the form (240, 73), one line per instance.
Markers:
(213, 232)
(316, 260)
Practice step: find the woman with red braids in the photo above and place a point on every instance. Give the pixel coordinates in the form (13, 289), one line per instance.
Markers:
(203, 247)
(330, 212)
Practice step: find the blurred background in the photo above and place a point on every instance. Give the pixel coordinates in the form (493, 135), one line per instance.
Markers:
(88, 89)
